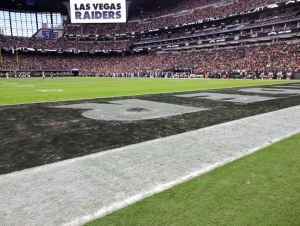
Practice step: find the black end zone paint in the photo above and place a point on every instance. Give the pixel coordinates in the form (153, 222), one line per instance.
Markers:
(36, 134)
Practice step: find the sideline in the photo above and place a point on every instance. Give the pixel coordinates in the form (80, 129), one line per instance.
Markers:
(76, 191)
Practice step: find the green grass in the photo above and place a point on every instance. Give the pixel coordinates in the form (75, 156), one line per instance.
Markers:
(13, 91)
(260, 189)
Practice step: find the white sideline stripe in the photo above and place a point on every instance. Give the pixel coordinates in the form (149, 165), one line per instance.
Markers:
(76, 191)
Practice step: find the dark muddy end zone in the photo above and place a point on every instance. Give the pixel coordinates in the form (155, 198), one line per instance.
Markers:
(37, 134)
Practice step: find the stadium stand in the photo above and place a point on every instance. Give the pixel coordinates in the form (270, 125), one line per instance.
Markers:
(238, 61)
(185, 12)
(62, 43)
(249, 39)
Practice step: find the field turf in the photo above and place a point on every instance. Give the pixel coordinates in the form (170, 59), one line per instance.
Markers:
(260, 189)
(13, 91)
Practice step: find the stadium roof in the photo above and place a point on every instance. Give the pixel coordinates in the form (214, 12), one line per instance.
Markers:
(35, 5)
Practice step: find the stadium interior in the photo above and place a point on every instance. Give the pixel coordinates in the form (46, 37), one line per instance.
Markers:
(149, 112)
(169, 39)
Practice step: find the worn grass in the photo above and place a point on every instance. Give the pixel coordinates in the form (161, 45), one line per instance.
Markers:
(260, 189)
(14, 91)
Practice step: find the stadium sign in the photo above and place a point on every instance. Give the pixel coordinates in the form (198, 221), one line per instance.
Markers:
(98, 11)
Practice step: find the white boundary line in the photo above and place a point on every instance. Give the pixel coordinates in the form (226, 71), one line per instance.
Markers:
(163, 154)
(161, 188)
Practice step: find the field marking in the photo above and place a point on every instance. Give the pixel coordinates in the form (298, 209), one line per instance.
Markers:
(287, 87)
(142, 94)
(50, 90)
(131, 110)
(79, 190)
(235, 98)
(25, 86)
(8, 83)
(270, 90)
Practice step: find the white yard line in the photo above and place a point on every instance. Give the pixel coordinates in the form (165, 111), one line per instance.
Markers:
(76, 191)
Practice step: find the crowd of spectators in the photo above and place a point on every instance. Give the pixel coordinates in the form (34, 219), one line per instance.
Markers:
(62, 43)
(186, 12)
(260, 58)
(173, 9)
(262, 23)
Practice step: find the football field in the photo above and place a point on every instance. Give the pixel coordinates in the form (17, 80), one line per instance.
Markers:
(149, 152)
(13, 91)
